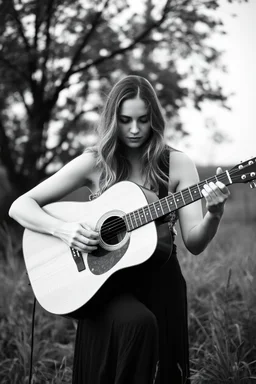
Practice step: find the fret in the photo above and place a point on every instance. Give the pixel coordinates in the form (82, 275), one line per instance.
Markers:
(178, 199)
(129, 220)
(166, 206)
(137, 218)
(199, 190)
(187, 196)
(170, 200)
(183, 198)
(190, 194)
(196, 191)
(133, 218)
(142, 216)
(149, 213)
(153, 205)
(159, 204)
(146, 214)
(225, 178)
(175, 201)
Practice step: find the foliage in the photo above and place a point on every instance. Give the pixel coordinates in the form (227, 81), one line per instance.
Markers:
(59, 58)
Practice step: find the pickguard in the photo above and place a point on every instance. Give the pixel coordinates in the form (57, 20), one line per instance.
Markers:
(101, 260)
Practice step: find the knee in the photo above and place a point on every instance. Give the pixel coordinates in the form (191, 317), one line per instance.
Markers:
(145, 318)
(133, 313)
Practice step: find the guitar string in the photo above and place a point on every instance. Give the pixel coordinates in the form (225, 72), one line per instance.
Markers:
(115, 224)
(120, 223)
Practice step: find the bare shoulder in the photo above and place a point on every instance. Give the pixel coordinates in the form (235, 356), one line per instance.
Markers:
(75, 174)
(93, 171)
(183, 171)
(82, 167)
(88, 162)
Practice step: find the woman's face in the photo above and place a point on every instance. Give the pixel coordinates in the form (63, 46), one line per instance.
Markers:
(133, 120)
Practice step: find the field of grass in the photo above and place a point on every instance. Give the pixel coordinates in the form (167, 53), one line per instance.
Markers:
(221, 295)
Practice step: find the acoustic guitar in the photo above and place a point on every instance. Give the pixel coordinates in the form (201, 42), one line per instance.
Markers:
(128, 218)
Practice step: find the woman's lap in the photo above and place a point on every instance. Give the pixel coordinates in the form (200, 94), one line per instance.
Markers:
(117, 343)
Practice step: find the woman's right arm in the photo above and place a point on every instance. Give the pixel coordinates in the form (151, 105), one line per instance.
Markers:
(27, 210)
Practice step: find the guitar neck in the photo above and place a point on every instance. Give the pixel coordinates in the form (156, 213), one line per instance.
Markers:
(171, 203)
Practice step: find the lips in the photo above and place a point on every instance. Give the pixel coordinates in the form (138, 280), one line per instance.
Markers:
(134, 138)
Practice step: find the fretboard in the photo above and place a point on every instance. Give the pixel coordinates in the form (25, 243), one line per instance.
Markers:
(170, 203)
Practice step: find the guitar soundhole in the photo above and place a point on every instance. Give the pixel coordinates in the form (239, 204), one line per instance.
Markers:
(113, 230)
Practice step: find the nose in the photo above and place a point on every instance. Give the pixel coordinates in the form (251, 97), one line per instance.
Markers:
(134, 127)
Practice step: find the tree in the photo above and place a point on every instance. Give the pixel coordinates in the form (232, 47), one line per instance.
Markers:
(59, 57)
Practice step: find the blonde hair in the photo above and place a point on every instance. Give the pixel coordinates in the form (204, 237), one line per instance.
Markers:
(114, 165)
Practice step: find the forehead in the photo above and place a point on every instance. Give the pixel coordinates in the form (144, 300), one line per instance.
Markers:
(133, 107)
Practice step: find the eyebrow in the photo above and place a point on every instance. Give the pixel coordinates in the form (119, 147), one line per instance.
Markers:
(130, 116)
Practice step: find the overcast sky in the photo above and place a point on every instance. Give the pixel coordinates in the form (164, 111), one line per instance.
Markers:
(240, 123)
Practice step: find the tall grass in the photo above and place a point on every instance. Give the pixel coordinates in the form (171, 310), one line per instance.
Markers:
(221, 286)
(222, 299)
(54, 336)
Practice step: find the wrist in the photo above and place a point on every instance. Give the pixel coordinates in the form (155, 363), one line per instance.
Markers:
(215, 215)
(57, 230)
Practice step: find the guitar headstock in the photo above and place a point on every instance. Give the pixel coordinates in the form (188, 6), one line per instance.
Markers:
(244, 172)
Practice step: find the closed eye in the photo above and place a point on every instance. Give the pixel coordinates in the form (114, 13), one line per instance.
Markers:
(144, 119)
(126, 119)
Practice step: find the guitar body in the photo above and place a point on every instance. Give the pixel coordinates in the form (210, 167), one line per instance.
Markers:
(64, 280)
(127, 218)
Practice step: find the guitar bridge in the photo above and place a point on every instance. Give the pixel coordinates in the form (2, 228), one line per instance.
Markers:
(78, 259)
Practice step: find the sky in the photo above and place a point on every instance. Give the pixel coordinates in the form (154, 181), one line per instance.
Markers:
(239, 124)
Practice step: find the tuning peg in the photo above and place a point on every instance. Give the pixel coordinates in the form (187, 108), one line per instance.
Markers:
(253, 184)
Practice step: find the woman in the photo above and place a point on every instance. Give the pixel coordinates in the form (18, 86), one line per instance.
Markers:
(135, 328)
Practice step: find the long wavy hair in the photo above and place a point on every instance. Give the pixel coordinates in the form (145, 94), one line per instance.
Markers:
(114, 165)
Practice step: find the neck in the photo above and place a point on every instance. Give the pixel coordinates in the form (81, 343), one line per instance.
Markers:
(133, 155)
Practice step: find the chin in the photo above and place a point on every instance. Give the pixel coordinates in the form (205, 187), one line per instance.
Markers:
(134, 145)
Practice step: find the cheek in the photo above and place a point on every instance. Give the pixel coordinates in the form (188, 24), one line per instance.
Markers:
(148, 130)
(121, 130)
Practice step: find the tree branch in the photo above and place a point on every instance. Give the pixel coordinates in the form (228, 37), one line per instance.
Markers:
(15, 68)
(63, 137)
(77, 54)
(140, 37)
(24, 101)
(37, 24)
(20, 28)
(48, 42)
(5, 150)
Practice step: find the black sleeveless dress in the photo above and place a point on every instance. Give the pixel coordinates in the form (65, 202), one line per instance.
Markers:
(134, 330)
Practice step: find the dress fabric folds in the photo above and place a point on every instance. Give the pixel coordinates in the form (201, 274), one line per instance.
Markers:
(134, 330)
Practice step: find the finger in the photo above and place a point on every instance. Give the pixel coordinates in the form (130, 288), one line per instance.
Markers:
(220, 190)
(219, 171)
(89, 232)
(207, 195)
(209, 191)
(80, 246)
(214, 189)
(86, 241)
(222, 187)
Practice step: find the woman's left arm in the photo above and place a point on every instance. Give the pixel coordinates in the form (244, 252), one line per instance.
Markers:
(197, 231)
